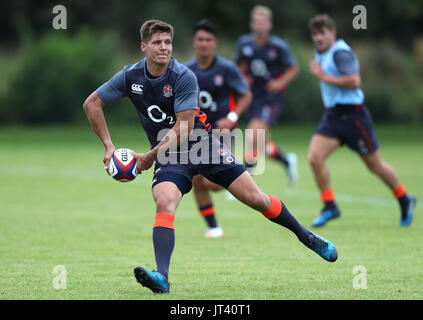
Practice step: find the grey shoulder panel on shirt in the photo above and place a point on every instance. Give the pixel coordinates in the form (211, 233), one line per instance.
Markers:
(186, 90)
(234, 76)
(346, 62)
(246, 39)
(114, 89)
(191, 63)
(287, 57)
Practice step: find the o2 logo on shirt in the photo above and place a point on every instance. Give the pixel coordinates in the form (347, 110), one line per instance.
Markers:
(206, 101)
(158, 115)
(259, 68)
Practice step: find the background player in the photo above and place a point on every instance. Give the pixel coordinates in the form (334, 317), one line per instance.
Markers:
(268, 66)
(346, 120)
(224, 96)
(164, 93)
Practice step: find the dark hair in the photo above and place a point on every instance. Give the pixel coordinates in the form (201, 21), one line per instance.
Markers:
(321, 21)
(206, 25)
(150, 27)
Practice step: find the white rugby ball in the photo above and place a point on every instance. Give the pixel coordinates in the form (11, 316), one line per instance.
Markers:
(123, 166)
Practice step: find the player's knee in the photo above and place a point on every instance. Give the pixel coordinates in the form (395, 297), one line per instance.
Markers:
(257, 200)
(314, 159)
(166, 204)
(198, 182)
(374, 167)
(212, 186)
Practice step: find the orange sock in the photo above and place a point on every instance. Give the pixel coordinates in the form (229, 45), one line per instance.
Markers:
(251, 157)
(327, 195)
(272, 149)
(399, 192)
(165, 220)
(207, 211)
(275, 208)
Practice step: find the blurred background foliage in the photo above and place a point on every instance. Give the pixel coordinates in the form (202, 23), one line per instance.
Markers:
(46, 74)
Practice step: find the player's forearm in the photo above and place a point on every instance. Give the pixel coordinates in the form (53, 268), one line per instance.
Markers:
(350, 81)
(96, 119)
(243, 103)
(176, 136)
(243, 67)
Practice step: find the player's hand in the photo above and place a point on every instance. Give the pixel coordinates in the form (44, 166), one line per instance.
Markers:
(108, 154)
(316, 69)
(144, 161)
(224, 123)
(250, 80)
(274, 86)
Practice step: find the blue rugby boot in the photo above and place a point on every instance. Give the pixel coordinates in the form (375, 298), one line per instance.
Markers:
(322, 247)
(326, 215)
(153, 280)
(407, 215)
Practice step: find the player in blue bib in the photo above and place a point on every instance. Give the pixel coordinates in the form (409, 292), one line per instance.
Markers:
(164, 93)
(269, 66)
(345, 121)
(224, 96)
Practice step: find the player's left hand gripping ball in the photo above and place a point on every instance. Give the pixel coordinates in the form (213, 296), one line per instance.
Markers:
(123, 166)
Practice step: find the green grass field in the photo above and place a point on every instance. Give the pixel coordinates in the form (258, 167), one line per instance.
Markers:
(58, 207)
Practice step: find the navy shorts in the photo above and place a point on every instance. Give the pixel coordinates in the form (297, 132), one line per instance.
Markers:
(351, 125)
(265, 107)
(221, 168)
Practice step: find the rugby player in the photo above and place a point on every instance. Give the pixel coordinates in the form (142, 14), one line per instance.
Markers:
(345, 121)
(224, 96)
(268, 66)
(165, 93)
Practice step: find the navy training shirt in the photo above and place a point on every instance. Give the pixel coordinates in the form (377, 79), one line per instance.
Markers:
(264, 62)
(219, 85)
(156, 100)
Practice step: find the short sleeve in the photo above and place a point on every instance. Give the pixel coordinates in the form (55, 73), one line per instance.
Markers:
(287, 58)
(346, 62)
(236, 81)
(114, 89)
(239, 57)
(186, 92)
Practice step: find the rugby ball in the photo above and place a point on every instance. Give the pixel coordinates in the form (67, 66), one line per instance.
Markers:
(123, 166)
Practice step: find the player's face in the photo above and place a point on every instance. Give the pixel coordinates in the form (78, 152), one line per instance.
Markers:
(260, 25)
(204, 43)
(323, 38)
(159, 49)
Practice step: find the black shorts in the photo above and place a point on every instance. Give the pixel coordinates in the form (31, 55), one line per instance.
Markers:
(220, 167)
(266, 108)
(351, 125)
